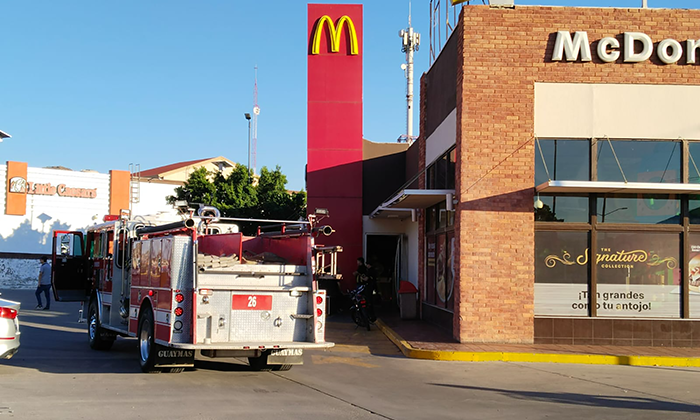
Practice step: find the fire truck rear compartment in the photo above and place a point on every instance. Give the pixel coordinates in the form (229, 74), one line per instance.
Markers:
(254, 304)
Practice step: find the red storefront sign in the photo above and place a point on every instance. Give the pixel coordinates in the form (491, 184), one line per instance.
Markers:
(334, 160)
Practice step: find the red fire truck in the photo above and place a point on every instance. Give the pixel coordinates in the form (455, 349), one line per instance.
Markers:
(198, 287)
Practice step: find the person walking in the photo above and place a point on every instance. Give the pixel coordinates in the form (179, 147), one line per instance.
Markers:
(44, 284)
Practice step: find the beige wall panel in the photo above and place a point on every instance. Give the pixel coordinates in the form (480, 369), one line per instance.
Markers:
(442, 138)
(579, 110)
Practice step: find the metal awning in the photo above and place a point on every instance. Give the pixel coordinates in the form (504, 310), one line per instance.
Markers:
(404, 204)
(605, 187)
(397, 214)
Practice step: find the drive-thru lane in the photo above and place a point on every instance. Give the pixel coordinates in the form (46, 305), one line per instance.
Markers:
(56, 375)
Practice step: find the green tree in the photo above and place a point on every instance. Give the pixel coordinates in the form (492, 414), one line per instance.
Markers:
(197, 189)
(275, 202)
(236, 196)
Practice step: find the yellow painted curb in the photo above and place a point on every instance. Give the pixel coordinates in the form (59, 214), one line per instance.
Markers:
(589, 359)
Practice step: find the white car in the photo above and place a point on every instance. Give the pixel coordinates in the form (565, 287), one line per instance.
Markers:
(9, 328)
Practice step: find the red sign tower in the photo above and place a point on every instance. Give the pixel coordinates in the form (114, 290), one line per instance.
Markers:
(334, 160)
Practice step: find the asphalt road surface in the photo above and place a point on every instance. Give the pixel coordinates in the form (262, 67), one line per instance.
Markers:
(56, 375)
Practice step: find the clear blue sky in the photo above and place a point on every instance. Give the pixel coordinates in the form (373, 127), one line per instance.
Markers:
(100, 84)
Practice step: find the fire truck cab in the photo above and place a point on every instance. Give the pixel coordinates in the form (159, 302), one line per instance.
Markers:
(188, 288)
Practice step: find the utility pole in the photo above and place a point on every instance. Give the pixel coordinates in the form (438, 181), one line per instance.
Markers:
(410, 41)
(256, 112)
(247, 117)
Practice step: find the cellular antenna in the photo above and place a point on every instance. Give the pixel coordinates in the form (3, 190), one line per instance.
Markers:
(256, 112)
(410, 41)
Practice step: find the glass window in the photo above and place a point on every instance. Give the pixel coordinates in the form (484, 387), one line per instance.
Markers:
(640, 208)
(441, 173)
(694, 162)
(561, 273)
(440, 270)
(694, 275)
(641, 161)
(694, 207)
(451, 169)
(565, 160)
(78, 246)
(110, 244)
(638, 274)
(442, 215)
(430, 182)
(450, 271)
(441, 273)
(96, 245)
(694, 178)
(562, 209)
(431, 219)
(431, 247)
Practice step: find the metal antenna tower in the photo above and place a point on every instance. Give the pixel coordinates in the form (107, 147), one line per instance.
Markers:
(410, 41)
(256, 112)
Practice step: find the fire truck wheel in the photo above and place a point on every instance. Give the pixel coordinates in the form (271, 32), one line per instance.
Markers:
(99, 338)
(147, 345)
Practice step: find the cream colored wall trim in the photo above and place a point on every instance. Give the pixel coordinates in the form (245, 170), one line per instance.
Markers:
(578, 110)
(444, 137)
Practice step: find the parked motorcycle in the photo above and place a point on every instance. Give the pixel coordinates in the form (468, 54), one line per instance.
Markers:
(358, 308)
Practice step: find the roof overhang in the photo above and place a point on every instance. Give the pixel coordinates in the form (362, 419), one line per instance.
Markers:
(405, 202)
(604, 187)
(4, 135)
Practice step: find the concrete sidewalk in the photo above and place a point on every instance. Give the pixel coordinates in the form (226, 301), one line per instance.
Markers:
(420, 340)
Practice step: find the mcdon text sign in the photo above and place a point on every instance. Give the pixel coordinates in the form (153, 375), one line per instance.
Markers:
(334, 30)
(669, 51)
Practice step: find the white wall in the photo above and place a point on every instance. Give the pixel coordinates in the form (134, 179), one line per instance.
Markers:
(32, 232)
(444, 137)
(579, 110)
(152, 198)
(396, 227)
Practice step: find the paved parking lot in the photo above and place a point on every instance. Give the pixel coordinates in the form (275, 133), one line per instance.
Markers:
(56, 376)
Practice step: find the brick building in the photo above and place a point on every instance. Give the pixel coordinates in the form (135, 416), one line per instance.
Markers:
(556, 188)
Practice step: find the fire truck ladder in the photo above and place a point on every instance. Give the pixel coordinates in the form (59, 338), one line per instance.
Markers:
(327, 262)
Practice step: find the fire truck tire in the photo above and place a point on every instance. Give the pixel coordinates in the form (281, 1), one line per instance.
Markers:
(147, 345)
(98, 337)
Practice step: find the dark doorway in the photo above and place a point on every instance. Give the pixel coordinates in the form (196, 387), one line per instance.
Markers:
(383, 253)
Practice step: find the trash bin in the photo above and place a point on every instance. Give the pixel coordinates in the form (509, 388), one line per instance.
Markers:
(408, 300)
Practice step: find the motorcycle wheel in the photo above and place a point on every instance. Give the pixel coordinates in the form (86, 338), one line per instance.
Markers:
(358, 319)
(365, 316)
